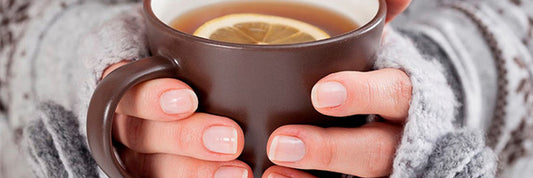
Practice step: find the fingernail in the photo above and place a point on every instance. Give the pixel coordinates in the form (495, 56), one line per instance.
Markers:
(286, 149)
(178, 101)
(221, 139)
(329, 94)
(275, 175)
(231, 172)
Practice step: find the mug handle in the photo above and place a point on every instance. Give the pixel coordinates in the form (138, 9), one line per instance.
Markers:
(104, 103)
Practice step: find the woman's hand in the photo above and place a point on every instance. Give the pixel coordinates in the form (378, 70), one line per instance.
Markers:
(159, 134)
(367, 151)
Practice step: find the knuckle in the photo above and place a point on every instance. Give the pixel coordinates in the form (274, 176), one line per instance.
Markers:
(366, 94)
(379, 157)
(194, 168)
(183, 137)
(402, 89)
(171, 166)
(328, 153)
(375, 158)
(190, 171)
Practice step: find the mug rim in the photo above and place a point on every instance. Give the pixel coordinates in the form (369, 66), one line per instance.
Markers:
(373, 24)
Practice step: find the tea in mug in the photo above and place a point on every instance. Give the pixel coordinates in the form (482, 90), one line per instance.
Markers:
(264, 23)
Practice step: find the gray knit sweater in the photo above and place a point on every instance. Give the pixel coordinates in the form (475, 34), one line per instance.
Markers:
(470, 63)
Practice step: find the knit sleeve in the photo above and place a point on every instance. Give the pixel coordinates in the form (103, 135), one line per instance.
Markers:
(76, 48)
(487, 48)
(432, 114)
(120, 39)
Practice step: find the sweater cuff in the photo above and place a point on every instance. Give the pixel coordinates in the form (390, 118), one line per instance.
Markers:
(433, 104)
(123, 38)
(430, 145)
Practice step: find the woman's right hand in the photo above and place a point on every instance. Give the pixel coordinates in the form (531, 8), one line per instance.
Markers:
(160, 134)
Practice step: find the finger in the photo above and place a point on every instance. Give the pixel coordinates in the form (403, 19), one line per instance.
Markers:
(367, 151)
(159, 99)
(201, 136)
(113, 67)
(396, 7)
(164, 165)
(283, 172)
(386, 92)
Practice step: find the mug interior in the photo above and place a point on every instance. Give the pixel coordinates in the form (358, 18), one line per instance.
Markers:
(360, 11)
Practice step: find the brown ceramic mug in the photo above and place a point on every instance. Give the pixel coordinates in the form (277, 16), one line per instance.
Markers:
(260, 87)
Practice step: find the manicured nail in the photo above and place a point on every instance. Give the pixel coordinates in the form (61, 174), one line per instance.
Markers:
(286, 149)
(178, 101)
(329, 94)
(221, 139)
(275, 175)
(231, 172)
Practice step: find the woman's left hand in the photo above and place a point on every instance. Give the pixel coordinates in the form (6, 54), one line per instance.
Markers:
(367, 151)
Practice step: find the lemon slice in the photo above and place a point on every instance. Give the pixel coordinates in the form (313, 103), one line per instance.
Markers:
(259, 29)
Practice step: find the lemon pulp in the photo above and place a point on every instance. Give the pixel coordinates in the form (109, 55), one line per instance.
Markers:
(259, 29)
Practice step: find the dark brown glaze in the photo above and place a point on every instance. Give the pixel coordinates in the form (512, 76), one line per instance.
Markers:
(260, 87)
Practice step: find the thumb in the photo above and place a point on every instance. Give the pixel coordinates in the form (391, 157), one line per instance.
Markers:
(385, 92)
